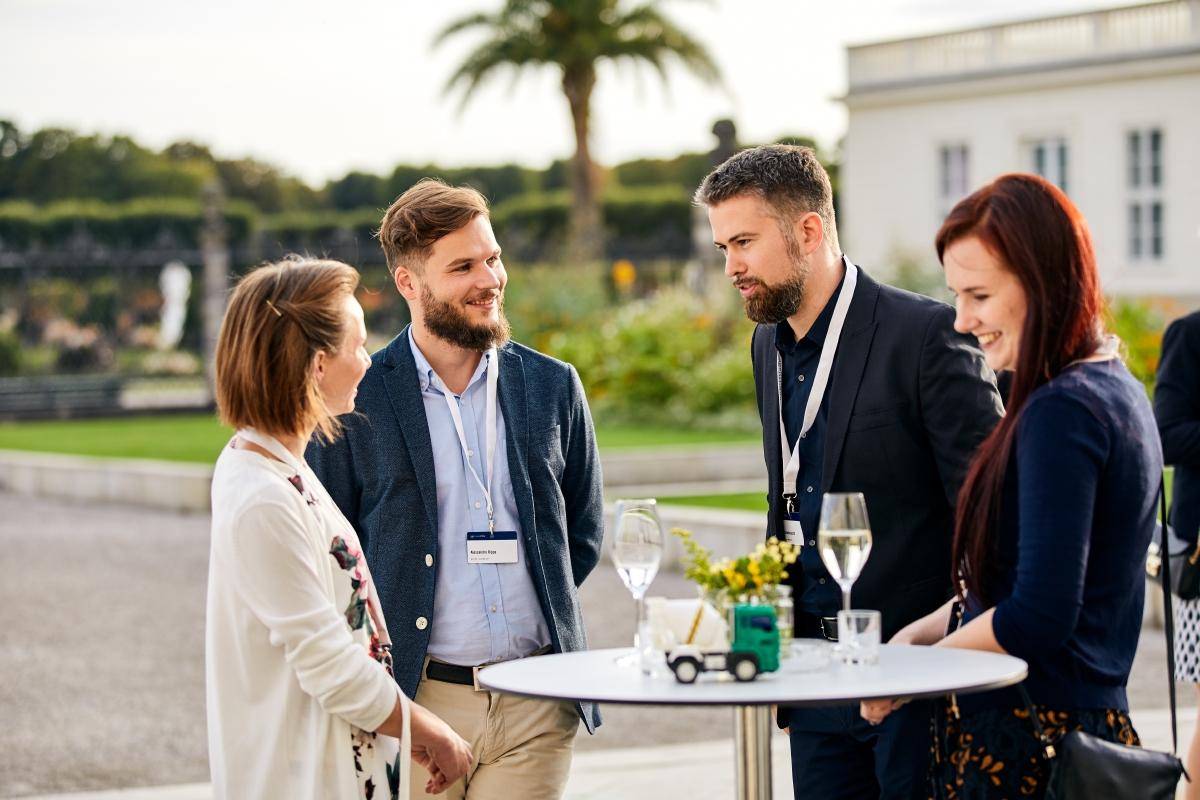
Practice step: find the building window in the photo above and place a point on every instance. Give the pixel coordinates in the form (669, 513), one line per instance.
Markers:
(1144, 149)
(953, 181)
(1048, 158)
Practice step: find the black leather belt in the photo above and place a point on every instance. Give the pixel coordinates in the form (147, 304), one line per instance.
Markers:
(450, 673)
(465, 676)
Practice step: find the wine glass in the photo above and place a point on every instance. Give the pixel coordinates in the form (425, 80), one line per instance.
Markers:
(844, 538)
(637, 549)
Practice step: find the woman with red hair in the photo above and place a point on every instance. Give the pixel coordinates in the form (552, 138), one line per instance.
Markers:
(1058, 506)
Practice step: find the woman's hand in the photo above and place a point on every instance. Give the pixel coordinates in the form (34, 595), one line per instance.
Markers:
(437, 748)
(435, 745)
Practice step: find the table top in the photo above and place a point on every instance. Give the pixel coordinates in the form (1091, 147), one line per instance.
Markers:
(902, 671)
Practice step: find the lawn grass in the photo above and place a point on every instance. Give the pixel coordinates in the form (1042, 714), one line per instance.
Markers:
(750, 501)
(198, 438)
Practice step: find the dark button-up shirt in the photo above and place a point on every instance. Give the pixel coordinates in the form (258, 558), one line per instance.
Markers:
(815, 591)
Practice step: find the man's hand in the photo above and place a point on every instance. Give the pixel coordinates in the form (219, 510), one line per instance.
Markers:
(876, 711)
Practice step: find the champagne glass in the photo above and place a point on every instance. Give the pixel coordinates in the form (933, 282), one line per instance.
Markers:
(637, 549)
(844, 538)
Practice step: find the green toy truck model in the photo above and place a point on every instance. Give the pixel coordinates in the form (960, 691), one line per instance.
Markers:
(755, 648)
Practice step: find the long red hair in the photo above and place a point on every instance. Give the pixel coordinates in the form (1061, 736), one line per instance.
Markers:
(1038, 234)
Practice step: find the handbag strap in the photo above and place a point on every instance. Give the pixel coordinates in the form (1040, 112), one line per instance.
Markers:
(1168, 612)
(1048, 751)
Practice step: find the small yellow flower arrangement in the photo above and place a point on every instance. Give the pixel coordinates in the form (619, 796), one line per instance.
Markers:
(756, 573)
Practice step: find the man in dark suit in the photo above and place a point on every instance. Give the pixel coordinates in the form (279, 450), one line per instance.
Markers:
(471, 474)
(876, 394)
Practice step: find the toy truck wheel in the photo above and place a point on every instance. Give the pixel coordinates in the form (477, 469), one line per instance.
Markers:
(744, 667)
(686, 669)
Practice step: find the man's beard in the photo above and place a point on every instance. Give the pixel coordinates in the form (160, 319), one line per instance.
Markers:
(773, 304)
(445, 321)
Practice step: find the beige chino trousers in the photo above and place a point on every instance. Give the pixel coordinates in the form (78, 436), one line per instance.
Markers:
(522, 747)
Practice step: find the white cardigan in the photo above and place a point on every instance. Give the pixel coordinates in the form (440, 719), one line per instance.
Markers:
(292, 688)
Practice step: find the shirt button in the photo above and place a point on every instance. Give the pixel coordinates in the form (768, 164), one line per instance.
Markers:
(429, 559)
(423, 623)
(821, 581)
(809, 489)
(477, 502)
(470, 454)
(493, 609)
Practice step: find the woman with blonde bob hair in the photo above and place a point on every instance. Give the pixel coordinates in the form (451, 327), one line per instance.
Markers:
(301, 699)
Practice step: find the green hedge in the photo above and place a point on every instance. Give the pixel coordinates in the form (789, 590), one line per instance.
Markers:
(137, 223)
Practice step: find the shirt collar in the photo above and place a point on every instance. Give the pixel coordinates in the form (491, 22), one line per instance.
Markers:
(425, 373)
(785, 339)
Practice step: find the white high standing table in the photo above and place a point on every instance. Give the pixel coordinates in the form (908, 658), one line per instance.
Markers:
(902, 671)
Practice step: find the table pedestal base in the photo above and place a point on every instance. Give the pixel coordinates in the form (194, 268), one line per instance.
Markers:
(752, 749)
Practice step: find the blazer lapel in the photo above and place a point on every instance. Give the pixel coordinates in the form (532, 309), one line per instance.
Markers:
(514, 405)
(848, 366)
(404, 391)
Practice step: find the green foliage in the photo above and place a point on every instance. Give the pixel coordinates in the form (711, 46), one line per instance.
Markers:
(144, 222)
(1140, 328)
(10, 353)
(671, 359)
(686, 170)
(543, 299)
(538, 222)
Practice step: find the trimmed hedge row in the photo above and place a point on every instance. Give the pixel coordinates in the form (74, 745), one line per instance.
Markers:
(146, 222)
(527, 222)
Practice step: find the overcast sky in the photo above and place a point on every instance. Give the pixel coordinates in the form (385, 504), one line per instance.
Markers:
(320, 87)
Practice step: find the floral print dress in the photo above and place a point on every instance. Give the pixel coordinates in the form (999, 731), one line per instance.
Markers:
(381, 769)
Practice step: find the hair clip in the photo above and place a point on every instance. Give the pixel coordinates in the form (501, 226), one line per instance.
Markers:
(271, 306)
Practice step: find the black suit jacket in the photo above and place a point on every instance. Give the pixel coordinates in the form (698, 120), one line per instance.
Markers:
(1177, 409)
(909, 402)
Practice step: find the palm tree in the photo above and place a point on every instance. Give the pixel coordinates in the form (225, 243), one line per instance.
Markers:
(573, 35)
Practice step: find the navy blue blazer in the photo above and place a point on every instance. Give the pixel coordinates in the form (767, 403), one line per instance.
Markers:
(909, 400)
(1177, 408)
(381, 474)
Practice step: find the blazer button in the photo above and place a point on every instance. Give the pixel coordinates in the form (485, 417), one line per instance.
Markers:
(422, 623)
(429, 559)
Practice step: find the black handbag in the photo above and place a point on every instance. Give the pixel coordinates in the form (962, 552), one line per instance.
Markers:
(1184, 572)
(1086, 766)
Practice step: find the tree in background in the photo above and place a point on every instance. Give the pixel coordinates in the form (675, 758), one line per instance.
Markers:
(574, 35)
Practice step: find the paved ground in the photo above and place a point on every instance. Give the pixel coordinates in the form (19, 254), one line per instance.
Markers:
(101, 653)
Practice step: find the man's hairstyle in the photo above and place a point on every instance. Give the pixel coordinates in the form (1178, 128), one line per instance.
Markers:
(788, 178)
(278, 317)
(425, 213)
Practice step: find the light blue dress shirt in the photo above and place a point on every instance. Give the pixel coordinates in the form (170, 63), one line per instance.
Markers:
(481, 612)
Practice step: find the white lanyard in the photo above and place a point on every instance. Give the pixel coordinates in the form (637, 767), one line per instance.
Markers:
(791, 467)
(493, 378)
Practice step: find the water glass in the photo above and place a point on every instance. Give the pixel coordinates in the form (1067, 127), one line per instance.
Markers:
(858, 636)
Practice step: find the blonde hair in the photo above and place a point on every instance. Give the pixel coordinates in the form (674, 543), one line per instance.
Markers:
(278, 318)
(426, 212)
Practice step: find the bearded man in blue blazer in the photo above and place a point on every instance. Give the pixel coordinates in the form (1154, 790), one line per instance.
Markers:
(471, 474)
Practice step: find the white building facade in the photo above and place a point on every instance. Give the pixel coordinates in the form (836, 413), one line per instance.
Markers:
(1105, 104)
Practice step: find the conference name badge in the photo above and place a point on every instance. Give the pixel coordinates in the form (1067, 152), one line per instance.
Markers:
(485, 547)
(792, 530)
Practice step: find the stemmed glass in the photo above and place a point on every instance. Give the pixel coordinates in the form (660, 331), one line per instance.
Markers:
(637, 549)
(844, 538)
